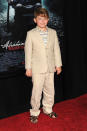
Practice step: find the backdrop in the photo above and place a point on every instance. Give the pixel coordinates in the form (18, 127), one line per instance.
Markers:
(75, 48)
(69, 20)
(16, 18)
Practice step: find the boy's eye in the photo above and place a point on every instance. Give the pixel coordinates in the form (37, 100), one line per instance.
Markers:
(42, 19)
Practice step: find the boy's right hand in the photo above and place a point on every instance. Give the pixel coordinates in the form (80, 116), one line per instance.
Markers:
(28, 73)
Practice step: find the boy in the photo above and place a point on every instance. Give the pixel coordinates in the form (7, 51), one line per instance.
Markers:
(42, 59)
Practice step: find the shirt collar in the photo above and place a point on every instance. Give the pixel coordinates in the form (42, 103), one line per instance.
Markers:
(38, 29)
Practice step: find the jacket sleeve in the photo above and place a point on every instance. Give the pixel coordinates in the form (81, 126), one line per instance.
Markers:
(57, 53)
(28, 51)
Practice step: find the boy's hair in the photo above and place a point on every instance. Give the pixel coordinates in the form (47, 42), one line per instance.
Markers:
(41, 12)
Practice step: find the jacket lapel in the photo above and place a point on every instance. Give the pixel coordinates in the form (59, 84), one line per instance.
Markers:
(48, 41)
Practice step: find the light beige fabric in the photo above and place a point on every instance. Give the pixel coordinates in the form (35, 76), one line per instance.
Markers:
(42, 82)
(42, 60)
(36, 57)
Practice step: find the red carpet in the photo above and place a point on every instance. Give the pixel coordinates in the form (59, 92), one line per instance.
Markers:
(72, 117)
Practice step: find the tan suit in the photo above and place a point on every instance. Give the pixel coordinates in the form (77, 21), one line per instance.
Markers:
(42, 60)
(35, 54)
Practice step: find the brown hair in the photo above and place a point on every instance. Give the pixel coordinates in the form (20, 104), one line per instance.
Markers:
(41, 12)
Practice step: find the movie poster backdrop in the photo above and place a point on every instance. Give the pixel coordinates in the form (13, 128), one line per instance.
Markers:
(16, 18)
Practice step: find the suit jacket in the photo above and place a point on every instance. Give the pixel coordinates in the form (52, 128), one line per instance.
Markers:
(37, 57)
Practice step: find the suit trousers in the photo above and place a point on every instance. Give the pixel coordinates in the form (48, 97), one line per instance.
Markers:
(42, 82)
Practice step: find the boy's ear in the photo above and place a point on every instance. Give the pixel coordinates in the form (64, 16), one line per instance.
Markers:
(34, 20)
(48, 19)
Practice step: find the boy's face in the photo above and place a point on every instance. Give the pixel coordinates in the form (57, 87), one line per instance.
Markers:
(41, 21)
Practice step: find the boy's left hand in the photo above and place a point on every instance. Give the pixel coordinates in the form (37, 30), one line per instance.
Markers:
(59, 70)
